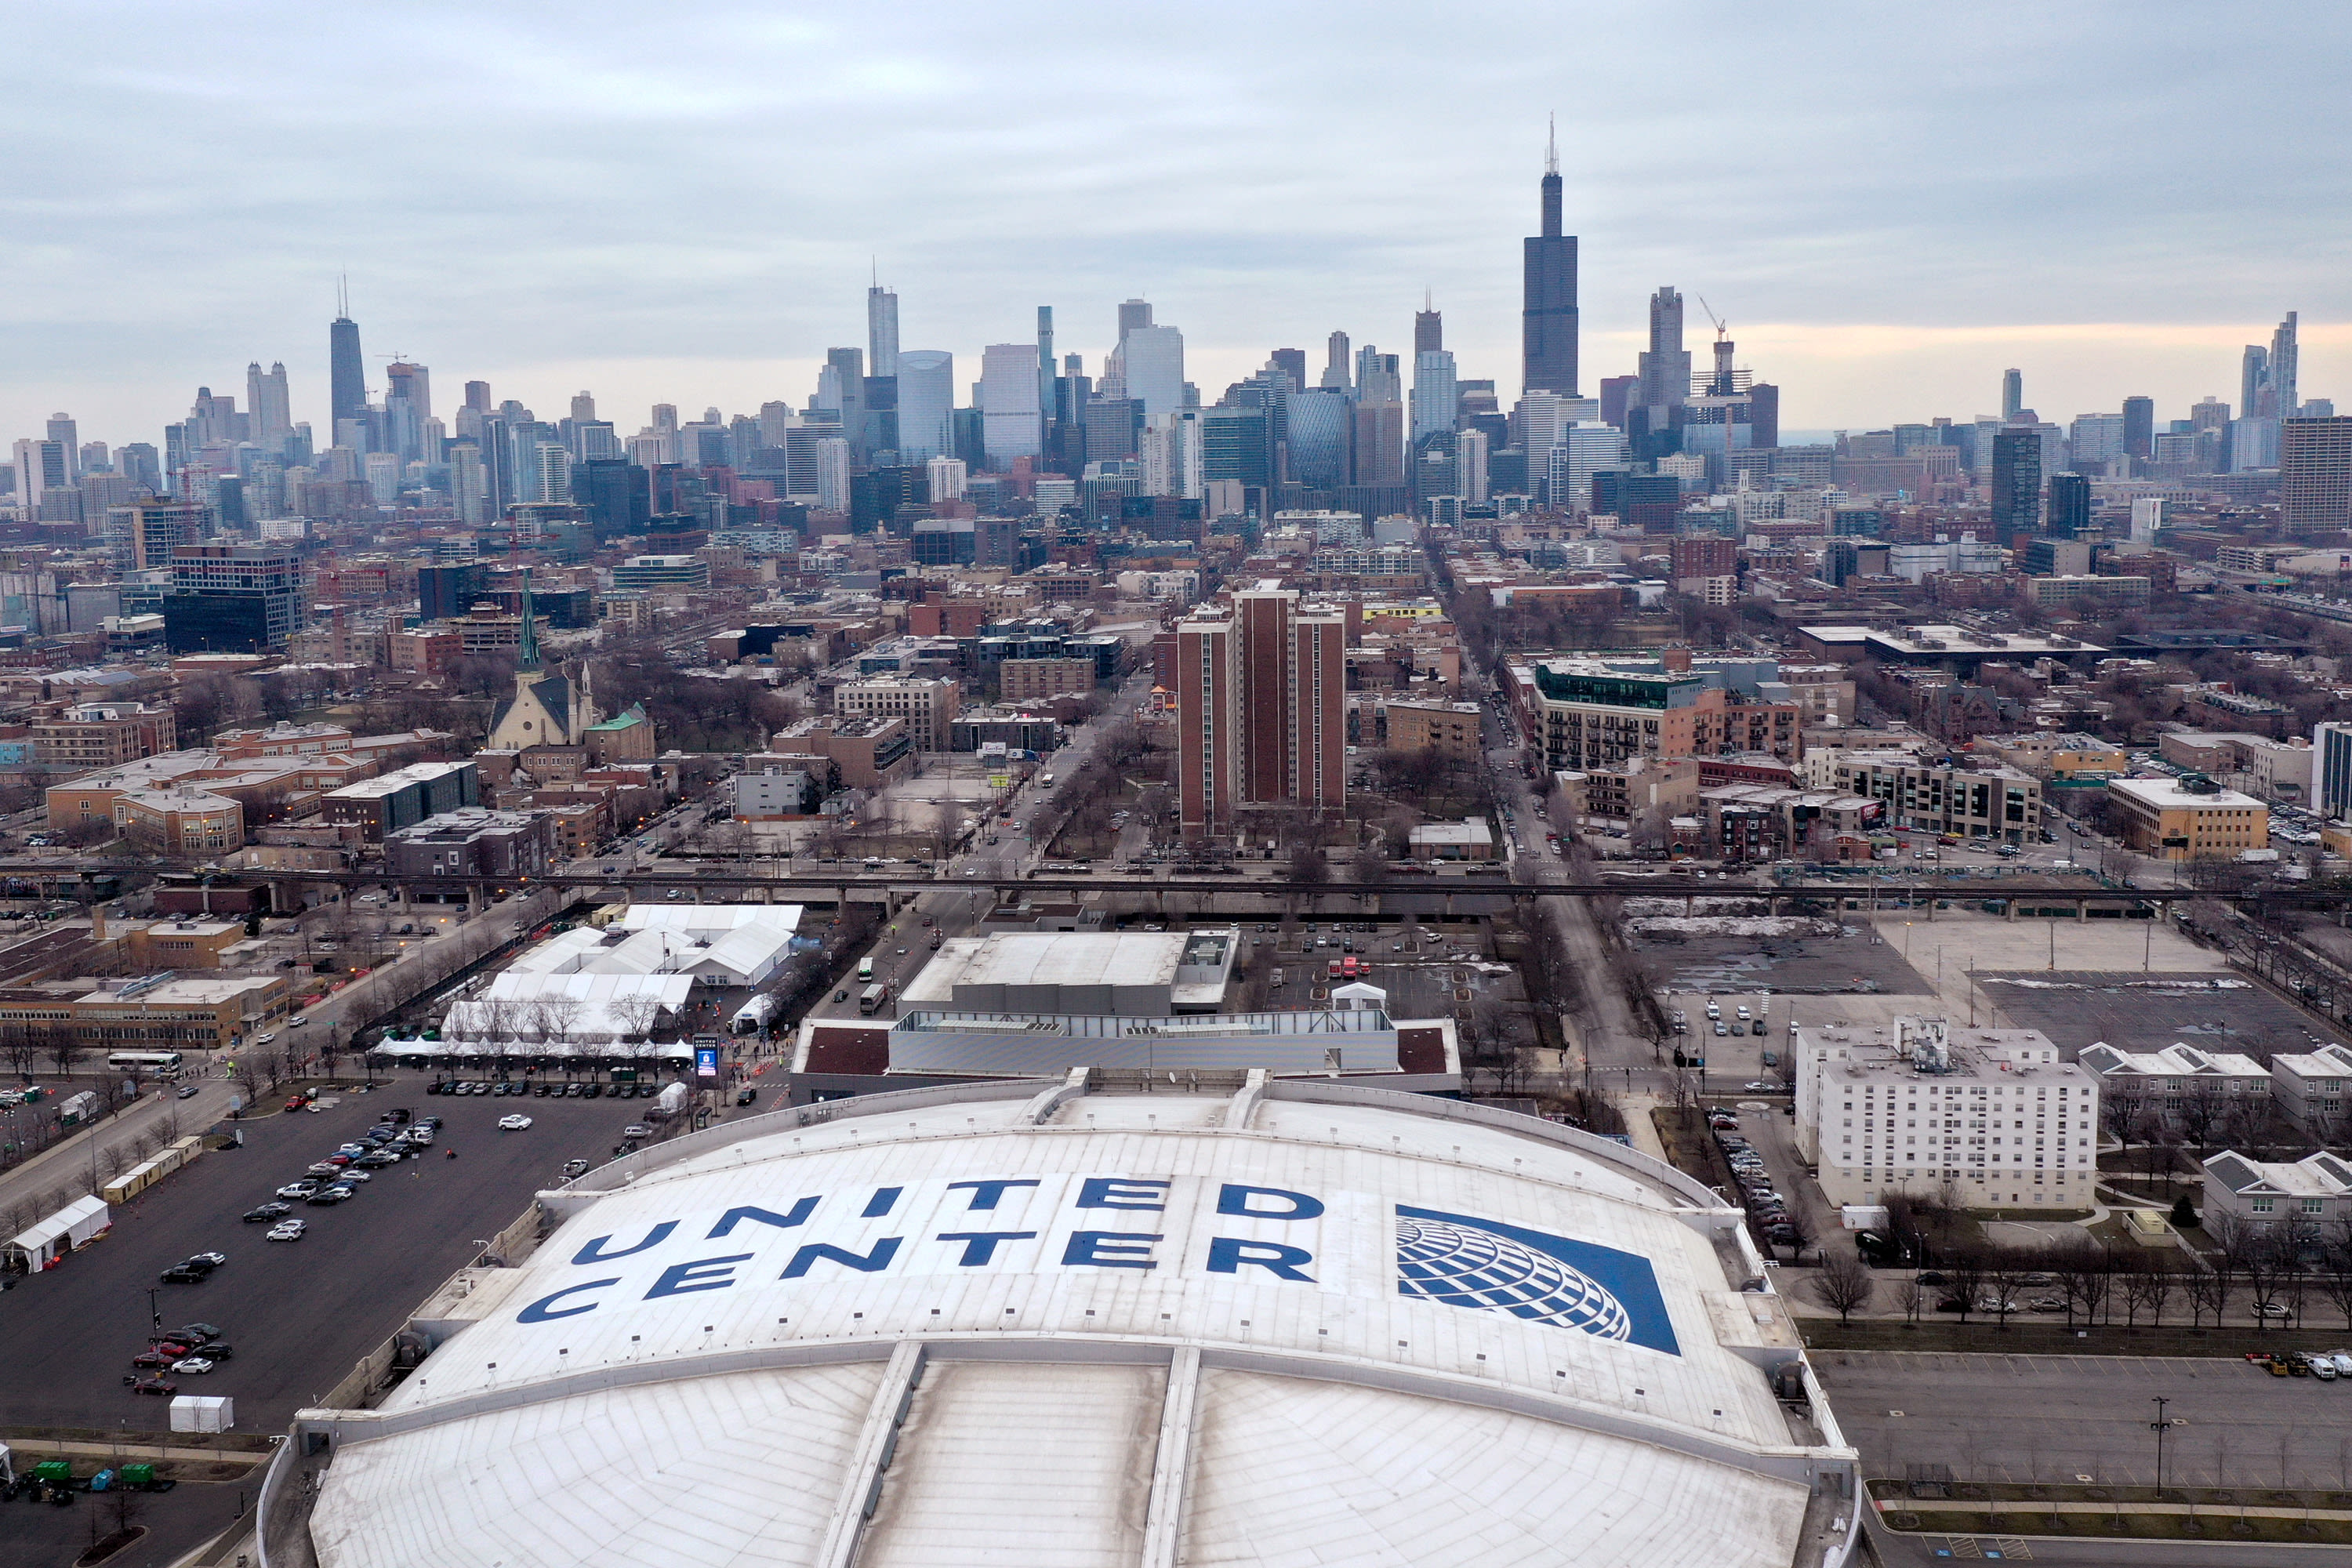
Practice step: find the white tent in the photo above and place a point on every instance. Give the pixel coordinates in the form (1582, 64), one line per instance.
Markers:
(720, 945)
(45, 1243)
(599, 1007)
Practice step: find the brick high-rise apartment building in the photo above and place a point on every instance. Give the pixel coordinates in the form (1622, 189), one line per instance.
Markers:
(1261, 710)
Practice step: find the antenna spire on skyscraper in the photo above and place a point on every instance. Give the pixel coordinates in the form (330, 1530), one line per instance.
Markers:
(1551, 144)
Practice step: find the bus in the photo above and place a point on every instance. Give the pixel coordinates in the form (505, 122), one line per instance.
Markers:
(874, 998)
(866, 969)
(144, 1061)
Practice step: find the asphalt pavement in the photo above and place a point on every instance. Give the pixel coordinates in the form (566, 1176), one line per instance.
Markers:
(299, 1314)
(2058, 1418)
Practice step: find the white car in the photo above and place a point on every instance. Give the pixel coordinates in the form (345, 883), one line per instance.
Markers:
(193, 1363)
(513, 1123)
(264, 1039)
(290, 1230)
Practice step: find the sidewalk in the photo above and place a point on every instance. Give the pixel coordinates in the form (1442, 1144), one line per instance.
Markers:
(68, 1161)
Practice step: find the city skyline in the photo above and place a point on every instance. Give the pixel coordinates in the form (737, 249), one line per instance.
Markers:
(1881, 278)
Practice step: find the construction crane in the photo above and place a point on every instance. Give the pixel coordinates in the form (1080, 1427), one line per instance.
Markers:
(1720, 384)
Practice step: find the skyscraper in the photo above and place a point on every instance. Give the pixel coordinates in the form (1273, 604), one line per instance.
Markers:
(266, 401)
(2331, 771)
(1665, 368)
(1154, 360)
(66, 433)
(1548, 322)
(1009, 408)
(926, 406)
(1261, 710)
(1377, 377)
(1291, 362)
(40, 466)
(346, 371)
(2254, 399)
(2016, 480)
(2316, 475)
(1132, 314)
(1428, 329)
(1045, 400)
(1378, 449)
(1320, 425)
(1434, 395)
(1335, 364)
(882, 330)
(2286, 390)
(2013, 392)
(1470, 466)
(2139, 427)
(407, 404)
(2070, 506)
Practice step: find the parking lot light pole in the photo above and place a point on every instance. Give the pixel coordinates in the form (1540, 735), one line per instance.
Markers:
(2161, 1426)
(153, 1310)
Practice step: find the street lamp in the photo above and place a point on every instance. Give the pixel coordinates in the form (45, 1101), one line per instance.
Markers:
(2161, 1426)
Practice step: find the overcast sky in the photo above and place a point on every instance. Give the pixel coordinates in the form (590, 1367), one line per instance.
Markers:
(1889, 202)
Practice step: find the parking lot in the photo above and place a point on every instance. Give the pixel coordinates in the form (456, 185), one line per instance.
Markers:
(2055, 1418)
(297, 1314)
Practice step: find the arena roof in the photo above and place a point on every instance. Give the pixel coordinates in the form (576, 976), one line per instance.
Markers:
(1075, 1323)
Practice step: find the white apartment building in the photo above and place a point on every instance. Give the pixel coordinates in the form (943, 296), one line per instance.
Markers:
(2173, 1083)
(2311, 1090)
(1991, 1115)
(2313, 1194)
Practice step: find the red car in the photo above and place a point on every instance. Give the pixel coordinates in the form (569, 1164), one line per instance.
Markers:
(159, 1387)
(156, 1358)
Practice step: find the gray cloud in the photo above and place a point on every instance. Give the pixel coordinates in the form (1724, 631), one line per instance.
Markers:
(681, 204)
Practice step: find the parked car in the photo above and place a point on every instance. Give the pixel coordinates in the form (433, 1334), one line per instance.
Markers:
(159, 1387)
(268, 1211)
(286, 1230)
(513, 1123)
(195, 1363)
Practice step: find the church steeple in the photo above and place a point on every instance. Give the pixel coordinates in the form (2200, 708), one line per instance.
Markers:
(530, 659)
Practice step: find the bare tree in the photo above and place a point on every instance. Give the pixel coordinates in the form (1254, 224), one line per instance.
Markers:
(2005, 1271)
(1911, 1297)
(1843, 1285)
(65, 1050)
(2084, 1271)
(2202, 1109)
(1965, 1268)
(2263, 1260)
(559, 1018)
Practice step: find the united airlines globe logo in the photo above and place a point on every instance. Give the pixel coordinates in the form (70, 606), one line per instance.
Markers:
(1464, 1266)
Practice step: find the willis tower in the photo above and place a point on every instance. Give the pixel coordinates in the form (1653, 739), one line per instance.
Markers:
(1548, 320)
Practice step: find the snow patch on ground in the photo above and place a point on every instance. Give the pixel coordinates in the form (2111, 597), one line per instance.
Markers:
(1642, 909)
(1733, 925)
